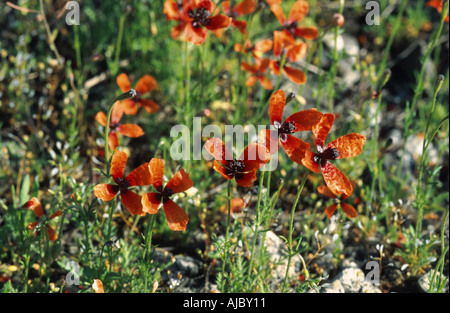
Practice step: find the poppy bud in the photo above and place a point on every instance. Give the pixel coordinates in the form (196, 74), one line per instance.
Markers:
(289, 97)
(338, 20)
(438, 83)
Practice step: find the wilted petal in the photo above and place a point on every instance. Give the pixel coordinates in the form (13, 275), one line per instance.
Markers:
(322, 129)
(51, 233)
(349, 210)
(329, 211)
(304, 120)
(35, 205)
(98, 286)
(156, 168)
(324, 190)
(276, 107)
(309, 162)
(118, 163)
(295, 148)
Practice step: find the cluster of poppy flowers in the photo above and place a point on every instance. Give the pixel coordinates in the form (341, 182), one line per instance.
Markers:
(256, 155)
(195, 17)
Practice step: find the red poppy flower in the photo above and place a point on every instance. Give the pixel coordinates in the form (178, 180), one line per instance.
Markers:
(173, 11)
(349, 210)
(177, 219)
(301, 121)
(129, 130)
(144, 85)
(243, 8)
(197, 19)
(294, 51)
(257, 50)
(257, 72)
(36, 206)
(344, 147)
(297, 14)
(244, 168)
(294, 75)
(439, 6)
(138, 177)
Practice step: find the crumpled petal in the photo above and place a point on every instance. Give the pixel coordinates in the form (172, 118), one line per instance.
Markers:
(269, 139)
(254, 156)
(151, 202)
(156, 169)
(132, 202)
(349, 145)
(304, 120)
(177, 219)
(140, 176)
(349, 210)
(118, 163)
(106, 192)
(294, 147)
(322, 129)
(329, 211)
(180, 182)
(298, 11)
(337, 182)
(276, 106)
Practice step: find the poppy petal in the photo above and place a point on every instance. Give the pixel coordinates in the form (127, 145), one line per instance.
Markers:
(246, 179)
(35, 205)
(222, 170)
(177, 219)
(132, 202)
(219, 21)
(298, 11)
(245, 7)
(149, 105)
(171, 10)
(322, 129)
(276, 107)
(263, 46)
(251, 81)
(175, 32)
(56, 214)
(118, 163)
(349, 210)
(269, 139)
(140, 176)
(309, 33)
(156, 168)
(195, 35)
(329, 211)
(101, 118)
(51, 233)
(129, 107)
(304, 120)
(336, 180)
(130, 130)
(278, 12)
(348, 145)
(265, 82)
(248, 67)
(146, 84)
(296, 52)
(113, 140)
(295, 148)
(32, 225)
(117, 112)
(106, 192)
(324, 190)
(294, 75)
(123, 82)
(241, 26)
(219, 151)
(180, 182)
(254, 156)
(151, 202)
(309, 162)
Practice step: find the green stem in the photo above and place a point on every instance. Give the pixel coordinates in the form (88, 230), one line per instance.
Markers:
(291, 228)
(118, 44)
(227, 231)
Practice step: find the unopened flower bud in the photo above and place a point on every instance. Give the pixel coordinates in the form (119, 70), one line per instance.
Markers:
(338, 20)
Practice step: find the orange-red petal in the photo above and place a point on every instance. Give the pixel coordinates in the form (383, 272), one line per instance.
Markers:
(51, 233)
(151, 202)
(278, 12)
(132, 202)
(321, 129)
(113, 140)
(295, 148)
(248, 67)
(129, 106)
(149, 105)
(276, 106)
(117, 112)
(324, 190)
(219, 21)
(294, 75)
(265, 82)
(118, 163)
(336, 180)
(101, 118)
(145, 84)
(219, 151)
(269, 138)
(106, 192)
(180, 182)
(296, 52)
(123, 82)
(304, 120)
(32, 225)
(140, 176)
(246, 179)
(177, 219)
(156, 168)
(195, 35)
(251, 81)
(254, 156)
(349, 145)
(309, 33)
(35, 205)
(222, 170)
(171, 10)
(241, 26)
(308, 162)
(329, 211)
(298, 11)
(56, 214)
(130, 130)
(349, 210)
(245, 7)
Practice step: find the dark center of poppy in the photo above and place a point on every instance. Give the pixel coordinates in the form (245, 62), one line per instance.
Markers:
(328, 154)
(200, 17)
(291, 27)
(286, 128)
(122, 183)
(113, 126)
(163, 194)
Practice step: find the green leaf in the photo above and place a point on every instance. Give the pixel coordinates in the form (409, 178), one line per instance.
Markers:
(24, 190)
